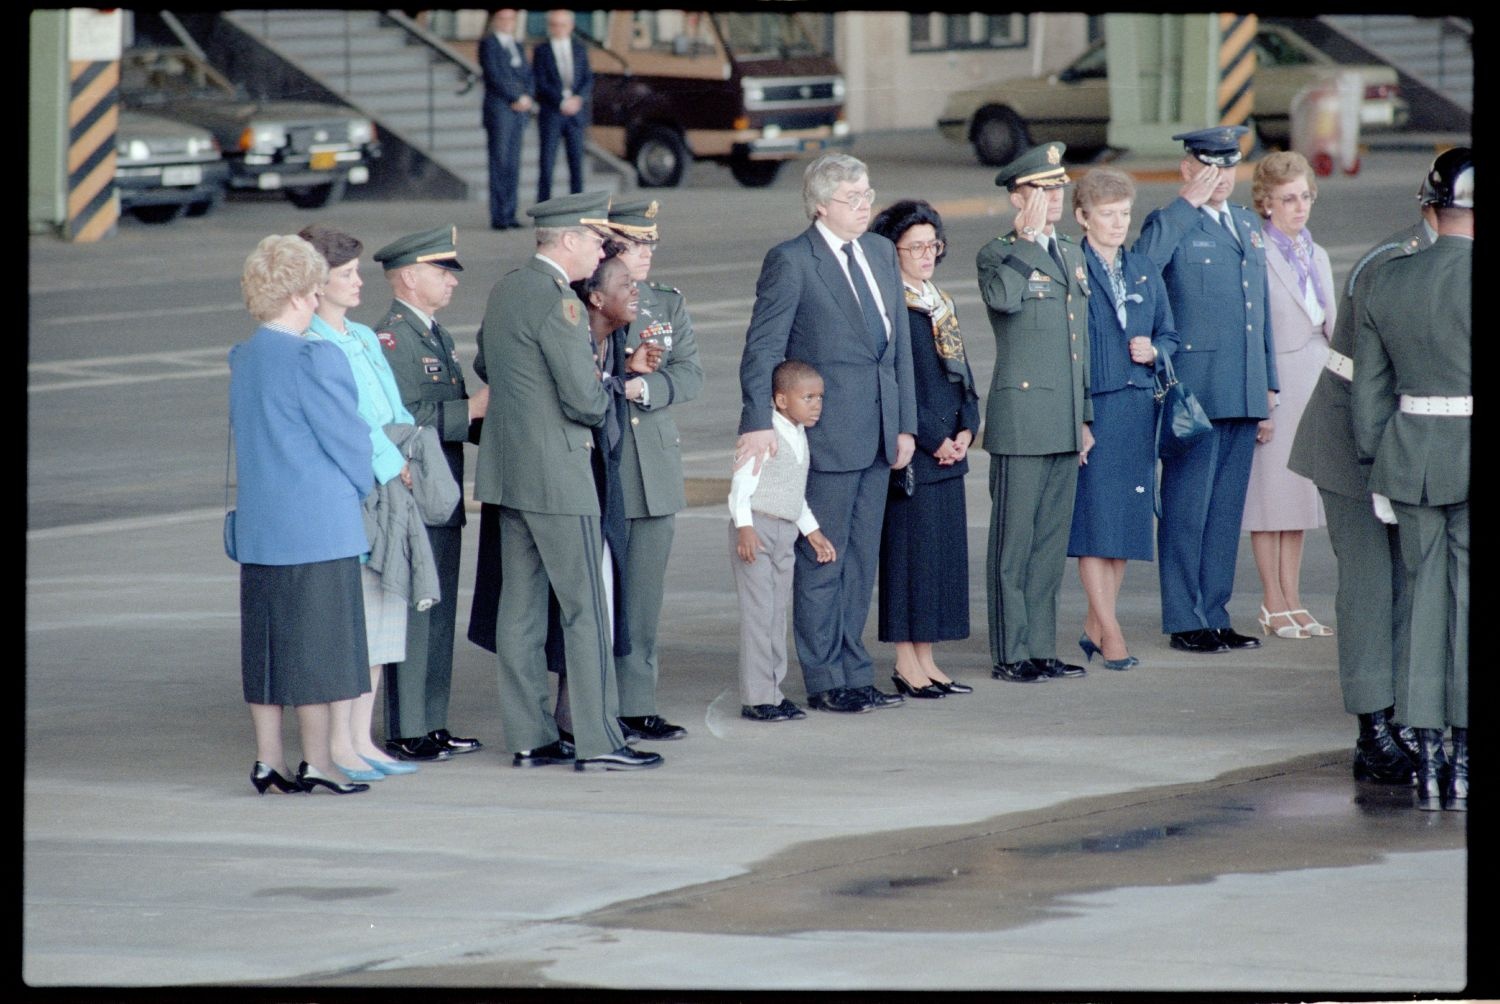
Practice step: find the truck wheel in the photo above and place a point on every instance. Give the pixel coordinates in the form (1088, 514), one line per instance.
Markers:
(206, 206)
(754, 173)
(998, 135)
(660, 157)
(318, 196)
(157, 214)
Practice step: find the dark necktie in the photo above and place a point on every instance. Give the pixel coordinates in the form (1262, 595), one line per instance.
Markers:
(1057, 256)
(1228, 223)
(874, 325)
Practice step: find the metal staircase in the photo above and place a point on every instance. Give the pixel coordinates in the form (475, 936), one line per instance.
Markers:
(1433, 52)
(418, 90)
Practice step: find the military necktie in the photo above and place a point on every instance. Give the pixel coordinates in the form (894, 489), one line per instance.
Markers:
(874, 325)
(1057, 256)
(1227, 221)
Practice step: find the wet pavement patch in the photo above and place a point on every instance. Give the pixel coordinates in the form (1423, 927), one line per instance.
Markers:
(1022, 868)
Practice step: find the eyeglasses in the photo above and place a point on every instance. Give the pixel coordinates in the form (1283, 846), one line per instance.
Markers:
(1291, 200)
(859, 200)
(920, 249)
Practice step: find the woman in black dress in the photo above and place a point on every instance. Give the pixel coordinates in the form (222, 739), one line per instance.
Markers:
(924, 545)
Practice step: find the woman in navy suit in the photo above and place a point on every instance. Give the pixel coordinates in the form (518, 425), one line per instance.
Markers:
(302, 464)
(924, 542)
(1130, 330)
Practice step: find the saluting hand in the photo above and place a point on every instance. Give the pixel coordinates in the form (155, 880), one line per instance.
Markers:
(1033, 215)
(1197, 189)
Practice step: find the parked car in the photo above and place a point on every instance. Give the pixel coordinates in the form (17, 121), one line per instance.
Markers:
(310, 150)
(163, 168)
(1072, 105)
(748, 90)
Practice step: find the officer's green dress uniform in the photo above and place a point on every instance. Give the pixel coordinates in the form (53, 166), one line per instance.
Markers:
(534, 463)
(1371, 601)
(1415, 345)
(431, 381)
(1038, 401)
(651, 464)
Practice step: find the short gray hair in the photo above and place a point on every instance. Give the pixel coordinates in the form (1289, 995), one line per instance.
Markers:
(826, 174)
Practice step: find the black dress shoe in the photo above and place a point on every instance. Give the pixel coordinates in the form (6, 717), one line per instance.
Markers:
(877, 698)
(953, 687)
(790, 710)
(623, 758)
(1024, 671)
(264, 776)
(1202, 641)
(453, 743)
(762, 713)
(1057, 669)
(1233, 639)
(310, 780)
(650, 727)
(557, 751)
(928, 689)
(421, 748)
(840, 700)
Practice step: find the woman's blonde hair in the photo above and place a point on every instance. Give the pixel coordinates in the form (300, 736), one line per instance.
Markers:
(281, 266)
(1278, 169)
(1101, 185)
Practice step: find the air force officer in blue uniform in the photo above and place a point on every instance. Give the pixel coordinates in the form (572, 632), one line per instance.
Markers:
(1212, 257)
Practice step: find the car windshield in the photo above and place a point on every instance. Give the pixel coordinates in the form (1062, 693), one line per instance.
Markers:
(1093, 63)
(1273, 49)
(157, 76)
(773, 36)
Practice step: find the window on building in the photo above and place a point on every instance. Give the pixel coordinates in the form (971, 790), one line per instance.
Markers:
(940, 32)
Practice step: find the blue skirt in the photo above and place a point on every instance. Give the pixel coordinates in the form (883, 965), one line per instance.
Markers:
(1113, 512)
(924, 565)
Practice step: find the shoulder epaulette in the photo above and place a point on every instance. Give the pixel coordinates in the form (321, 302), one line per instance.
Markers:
(663, 287)
(1370, 256)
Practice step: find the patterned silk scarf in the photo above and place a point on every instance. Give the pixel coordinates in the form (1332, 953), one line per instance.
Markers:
(946, 338)
(1116, 272)
(1298, 253)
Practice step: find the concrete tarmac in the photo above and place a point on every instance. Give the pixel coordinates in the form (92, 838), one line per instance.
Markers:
(1187, 825)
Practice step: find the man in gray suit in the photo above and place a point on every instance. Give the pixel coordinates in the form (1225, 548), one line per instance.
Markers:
(1413, 406)
(546, 396)
(832, 297)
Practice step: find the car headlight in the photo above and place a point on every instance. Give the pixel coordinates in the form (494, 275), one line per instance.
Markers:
(754, 94)
(198, 146)
(361, 131)
(838, 88)
(260, 138)
(132, 149)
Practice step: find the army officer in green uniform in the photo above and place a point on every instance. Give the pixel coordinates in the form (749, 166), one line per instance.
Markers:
(534, 463)
(423, 272)
(650, 462)
(1034, 283)
(1371, 600)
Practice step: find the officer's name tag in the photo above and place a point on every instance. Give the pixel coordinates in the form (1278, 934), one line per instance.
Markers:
(1044, 286)
(433, 368)
(1204, 244)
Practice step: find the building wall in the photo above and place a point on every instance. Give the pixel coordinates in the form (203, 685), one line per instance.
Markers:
(891, 87)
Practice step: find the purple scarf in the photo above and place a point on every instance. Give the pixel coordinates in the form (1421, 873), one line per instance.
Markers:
(1298, 251)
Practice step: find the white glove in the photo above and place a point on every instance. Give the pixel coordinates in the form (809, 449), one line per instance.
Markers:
(1383, 510)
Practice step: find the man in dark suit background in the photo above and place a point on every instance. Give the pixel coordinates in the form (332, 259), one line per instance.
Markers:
(564, 84)
(507, 105)
(829, 297)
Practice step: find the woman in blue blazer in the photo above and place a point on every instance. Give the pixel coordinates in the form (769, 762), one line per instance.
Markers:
(1130, 330)
(302, 464)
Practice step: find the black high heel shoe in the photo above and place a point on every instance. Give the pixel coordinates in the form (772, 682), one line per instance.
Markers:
(907, 690)
(264, 776)
(952, 687)
(310, 779)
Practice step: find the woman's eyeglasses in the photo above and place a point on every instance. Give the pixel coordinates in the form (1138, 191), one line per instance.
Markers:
(921, 249)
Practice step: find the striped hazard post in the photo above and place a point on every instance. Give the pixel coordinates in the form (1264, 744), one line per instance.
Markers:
(1237, 73)
(93, 119)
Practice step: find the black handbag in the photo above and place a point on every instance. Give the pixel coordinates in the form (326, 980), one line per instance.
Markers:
(1180, 419)
(231, 549)
(904, 482)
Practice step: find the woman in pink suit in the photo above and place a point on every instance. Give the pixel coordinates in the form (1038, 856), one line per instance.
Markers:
(1280, 505)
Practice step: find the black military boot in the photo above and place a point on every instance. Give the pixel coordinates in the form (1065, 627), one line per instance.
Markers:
(1376, 756)
(1405, 737)
(1432, 770)
(1456, 792)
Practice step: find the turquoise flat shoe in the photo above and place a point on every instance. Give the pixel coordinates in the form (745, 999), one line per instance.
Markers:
(357, 774)
(393, 767)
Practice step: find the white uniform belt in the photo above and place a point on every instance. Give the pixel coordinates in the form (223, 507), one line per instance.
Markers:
(1461, 406)
(1340, 364)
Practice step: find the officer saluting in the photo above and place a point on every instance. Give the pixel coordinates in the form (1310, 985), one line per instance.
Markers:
(534, 463)
(1413, 402)
(1035, 284)
(1212, 257)
(423, 271)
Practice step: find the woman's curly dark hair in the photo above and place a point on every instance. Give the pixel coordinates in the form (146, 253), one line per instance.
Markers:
(897, 219)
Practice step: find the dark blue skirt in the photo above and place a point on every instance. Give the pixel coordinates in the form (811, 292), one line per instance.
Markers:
(1113, 512)
(924, 565)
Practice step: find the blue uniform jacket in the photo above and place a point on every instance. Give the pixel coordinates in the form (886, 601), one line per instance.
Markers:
(1219, 299)
(302, 453)
(1110, 366)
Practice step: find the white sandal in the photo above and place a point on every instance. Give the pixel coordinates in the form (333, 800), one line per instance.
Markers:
(1314, 630)
(1292, 630)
